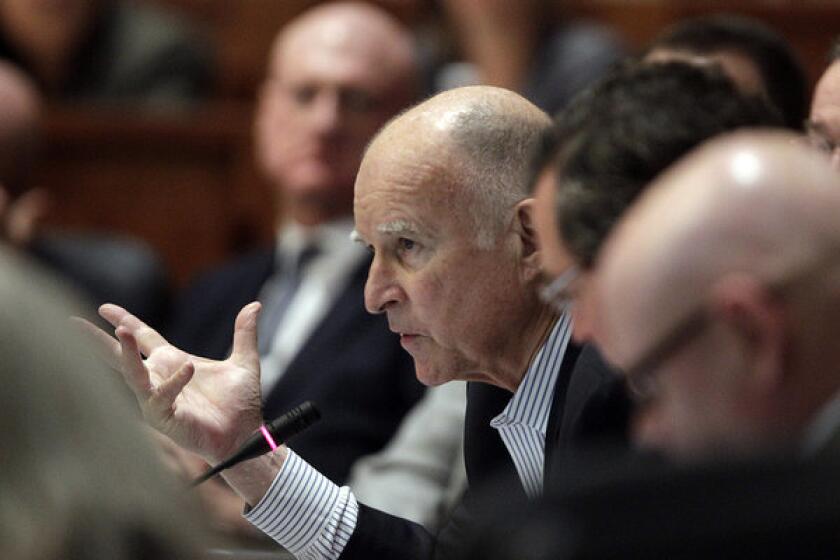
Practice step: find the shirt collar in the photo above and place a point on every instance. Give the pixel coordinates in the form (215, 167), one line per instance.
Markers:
(531, 403)
(333, 236)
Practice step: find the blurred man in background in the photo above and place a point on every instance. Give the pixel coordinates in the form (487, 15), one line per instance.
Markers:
(336, 74)
(733, 258)
(755, 56)
(609, 144)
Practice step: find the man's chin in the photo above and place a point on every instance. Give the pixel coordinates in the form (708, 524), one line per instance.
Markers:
(430, 378)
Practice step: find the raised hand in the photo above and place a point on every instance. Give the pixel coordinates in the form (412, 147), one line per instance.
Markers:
(206, 406)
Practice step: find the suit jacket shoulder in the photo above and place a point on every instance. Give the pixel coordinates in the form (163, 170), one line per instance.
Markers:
(578, 396)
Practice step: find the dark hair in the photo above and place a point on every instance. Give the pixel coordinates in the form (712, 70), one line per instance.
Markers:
(784, 79)
(616, 137)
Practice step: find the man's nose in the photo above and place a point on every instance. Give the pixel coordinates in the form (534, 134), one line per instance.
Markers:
(325, 112)
(382, 289)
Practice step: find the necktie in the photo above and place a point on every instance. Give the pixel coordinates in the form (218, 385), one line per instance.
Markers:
(278, 293)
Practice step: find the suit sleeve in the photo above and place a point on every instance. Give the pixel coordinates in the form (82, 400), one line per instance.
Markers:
(314, 519)
(386, 537)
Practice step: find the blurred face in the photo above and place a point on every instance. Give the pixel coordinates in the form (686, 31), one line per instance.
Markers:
(688, 399)
(327, 93)
(682, 368)
(567, 284)
(823, 126)
(452, 304)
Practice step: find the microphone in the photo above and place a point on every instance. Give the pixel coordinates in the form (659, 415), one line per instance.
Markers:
(280, 429)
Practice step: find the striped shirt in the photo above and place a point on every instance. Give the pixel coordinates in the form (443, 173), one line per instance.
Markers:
(313, 518)
(523, 422)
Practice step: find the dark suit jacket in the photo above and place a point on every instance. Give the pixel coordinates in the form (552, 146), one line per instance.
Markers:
(489, 467)
(767, 507)
(352, 366)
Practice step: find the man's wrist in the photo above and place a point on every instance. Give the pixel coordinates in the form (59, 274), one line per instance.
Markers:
(252, 479)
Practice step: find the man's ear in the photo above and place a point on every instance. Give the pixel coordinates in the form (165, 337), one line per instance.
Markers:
(523, 222)
(757, 318)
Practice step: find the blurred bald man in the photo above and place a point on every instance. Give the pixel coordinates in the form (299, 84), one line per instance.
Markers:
(336, 74)
(730, 261)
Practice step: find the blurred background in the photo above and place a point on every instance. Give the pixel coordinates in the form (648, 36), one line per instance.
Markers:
(174, 169)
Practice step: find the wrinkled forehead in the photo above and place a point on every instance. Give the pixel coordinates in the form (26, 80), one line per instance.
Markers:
(409, 180)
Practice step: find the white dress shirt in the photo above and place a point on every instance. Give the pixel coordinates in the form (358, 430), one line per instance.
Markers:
(523, 422)
(322, 281)
(313, 518)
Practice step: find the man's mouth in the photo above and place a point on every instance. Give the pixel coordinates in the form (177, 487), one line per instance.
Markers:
(405, 336)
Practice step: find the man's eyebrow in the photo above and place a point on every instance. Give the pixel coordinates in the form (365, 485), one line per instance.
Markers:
(397, 226)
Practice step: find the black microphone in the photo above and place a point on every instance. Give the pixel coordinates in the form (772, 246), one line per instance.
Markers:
(278, 430)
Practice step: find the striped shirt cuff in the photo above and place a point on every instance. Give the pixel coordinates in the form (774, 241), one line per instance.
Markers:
(305, 512)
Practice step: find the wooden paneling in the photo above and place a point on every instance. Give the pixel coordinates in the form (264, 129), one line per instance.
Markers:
(185, 184)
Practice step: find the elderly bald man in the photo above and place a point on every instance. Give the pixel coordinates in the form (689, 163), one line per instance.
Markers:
(441, 202)
(730, 262)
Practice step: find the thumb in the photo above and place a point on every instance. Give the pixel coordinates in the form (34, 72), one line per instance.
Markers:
(245, 351)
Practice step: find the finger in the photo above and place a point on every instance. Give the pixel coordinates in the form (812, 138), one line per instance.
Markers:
(132, 368)
(147, 338)
(112, 313)
(104, 345)
(166, 393)
(245, 350)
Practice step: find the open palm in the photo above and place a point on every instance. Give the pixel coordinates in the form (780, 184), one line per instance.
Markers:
(207, 406)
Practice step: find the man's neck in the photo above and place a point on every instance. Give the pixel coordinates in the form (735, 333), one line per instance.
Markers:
(525, 347)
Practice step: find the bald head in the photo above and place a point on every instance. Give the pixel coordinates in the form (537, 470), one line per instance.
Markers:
(750, 202)
(441, 200)
(481, 139)
(729, 239)
(362, 32)
(336, 74)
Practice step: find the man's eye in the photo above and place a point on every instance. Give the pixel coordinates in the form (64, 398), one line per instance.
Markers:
(405, 244)
(303, 95)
